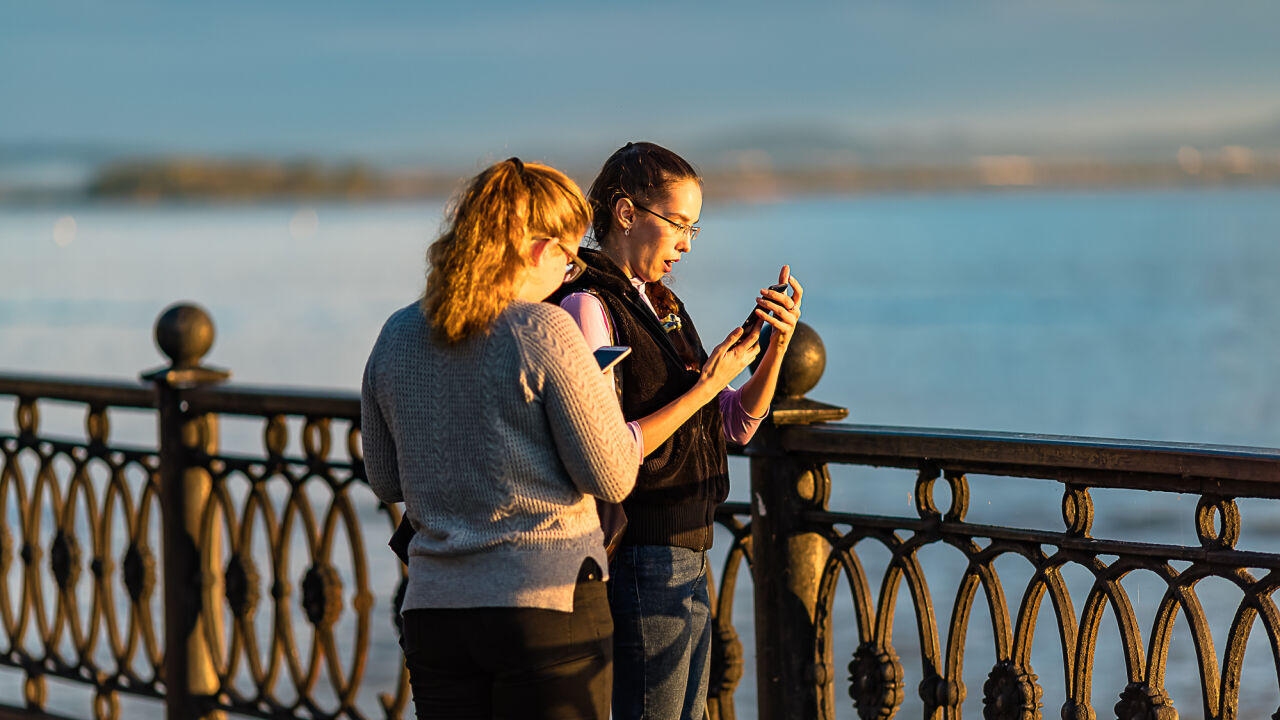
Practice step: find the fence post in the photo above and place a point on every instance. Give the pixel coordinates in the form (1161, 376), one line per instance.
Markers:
(787, 562)
(184, 333)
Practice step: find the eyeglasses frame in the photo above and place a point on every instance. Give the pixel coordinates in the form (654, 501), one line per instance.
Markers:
(576, 265)
(690, 231)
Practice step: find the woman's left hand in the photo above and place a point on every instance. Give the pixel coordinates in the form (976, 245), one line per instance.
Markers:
(781, 311)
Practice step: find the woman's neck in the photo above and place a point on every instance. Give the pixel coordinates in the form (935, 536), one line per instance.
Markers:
(613, 252)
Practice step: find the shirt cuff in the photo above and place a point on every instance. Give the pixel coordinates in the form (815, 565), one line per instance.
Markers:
(638, 434)
(739, 425)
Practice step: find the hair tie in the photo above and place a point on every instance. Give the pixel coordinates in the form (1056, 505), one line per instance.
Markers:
(519, 165)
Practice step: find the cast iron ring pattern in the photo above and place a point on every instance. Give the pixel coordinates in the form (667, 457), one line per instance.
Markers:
(1012, 690)
(299, 512)
(104, 505)
(110, 524)
(79, 506)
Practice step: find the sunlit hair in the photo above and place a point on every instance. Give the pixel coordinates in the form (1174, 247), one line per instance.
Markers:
(641, 171)
(477, 263)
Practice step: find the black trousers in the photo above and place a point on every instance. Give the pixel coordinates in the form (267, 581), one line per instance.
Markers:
(514, 662)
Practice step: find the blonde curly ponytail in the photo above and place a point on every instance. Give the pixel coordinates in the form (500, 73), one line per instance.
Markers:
(476, 265)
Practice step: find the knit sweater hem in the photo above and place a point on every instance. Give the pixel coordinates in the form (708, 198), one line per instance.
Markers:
(529, 577)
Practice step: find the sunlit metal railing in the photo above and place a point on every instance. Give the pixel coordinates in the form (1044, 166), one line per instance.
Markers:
(242, 577)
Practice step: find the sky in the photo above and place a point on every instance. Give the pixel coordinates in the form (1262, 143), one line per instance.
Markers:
(466, 82)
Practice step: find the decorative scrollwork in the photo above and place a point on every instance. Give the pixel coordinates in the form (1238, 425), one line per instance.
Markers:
(27, 417)
(105, 505)
(959, 496)
(276, 436)
(813, 486)
(1077, 510)
(138, 570)
(316, 439)
(939, 692)
(1138, 701)
(64, 559)
(322, 595)
(241, 585)
(97, 426)
(6, 549)
(35, 691)
(925, 505)
(726, 657)
(1011, 693)
(96, 635)
(106, 705)
(355, 446)
(1072, 710)
(875, 682)
(1227, 532)
(924, 493)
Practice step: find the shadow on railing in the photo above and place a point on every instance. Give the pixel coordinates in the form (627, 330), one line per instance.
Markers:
(234, 577)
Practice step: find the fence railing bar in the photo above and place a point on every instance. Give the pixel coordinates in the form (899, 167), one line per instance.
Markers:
(109, 393)
(264, 401)
(1048, 457)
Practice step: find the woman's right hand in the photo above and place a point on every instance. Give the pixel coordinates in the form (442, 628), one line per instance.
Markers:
(730, 358)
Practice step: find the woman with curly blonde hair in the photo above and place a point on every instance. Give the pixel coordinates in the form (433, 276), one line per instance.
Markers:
(485, 413)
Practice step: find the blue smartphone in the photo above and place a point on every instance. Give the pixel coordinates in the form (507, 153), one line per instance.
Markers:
(611, 355)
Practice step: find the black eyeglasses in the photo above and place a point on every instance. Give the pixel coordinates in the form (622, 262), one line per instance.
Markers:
(576, 265)
(689, 231)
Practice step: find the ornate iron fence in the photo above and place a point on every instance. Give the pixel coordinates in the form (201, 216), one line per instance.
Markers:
(221, 580)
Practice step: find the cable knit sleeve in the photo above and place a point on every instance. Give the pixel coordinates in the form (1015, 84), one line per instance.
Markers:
(379, 447)
(592, 439)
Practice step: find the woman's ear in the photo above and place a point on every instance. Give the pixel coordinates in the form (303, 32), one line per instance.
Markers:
(624, 213)
(538, 251)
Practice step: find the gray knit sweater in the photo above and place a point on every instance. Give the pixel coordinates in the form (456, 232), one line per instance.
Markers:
(496, 446)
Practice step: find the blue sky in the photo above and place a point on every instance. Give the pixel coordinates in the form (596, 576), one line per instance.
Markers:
(467, 81)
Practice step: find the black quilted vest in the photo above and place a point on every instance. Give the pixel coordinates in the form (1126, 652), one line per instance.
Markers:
(682, 481)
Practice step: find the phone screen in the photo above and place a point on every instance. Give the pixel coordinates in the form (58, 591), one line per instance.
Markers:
(611, 355)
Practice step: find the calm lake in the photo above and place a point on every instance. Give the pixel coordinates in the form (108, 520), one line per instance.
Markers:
(1147, 315)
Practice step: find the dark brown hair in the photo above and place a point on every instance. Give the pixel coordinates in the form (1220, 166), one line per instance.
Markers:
(643, 172)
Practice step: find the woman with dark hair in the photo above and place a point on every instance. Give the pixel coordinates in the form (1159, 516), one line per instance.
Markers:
(646, 203)
(484, 412)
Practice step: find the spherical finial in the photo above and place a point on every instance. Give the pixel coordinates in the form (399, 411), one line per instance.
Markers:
(804, 363)
(184, 332)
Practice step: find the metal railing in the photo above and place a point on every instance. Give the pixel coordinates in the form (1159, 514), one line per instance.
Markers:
(220, 580)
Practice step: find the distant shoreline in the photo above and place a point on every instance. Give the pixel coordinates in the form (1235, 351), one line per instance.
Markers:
(252, 181)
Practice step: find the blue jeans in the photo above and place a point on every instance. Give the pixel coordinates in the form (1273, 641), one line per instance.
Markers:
(662, 633)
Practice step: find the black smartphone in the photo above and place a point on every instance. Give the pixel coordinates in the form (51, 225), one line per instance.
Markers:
(611, 355)
(753, 319)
